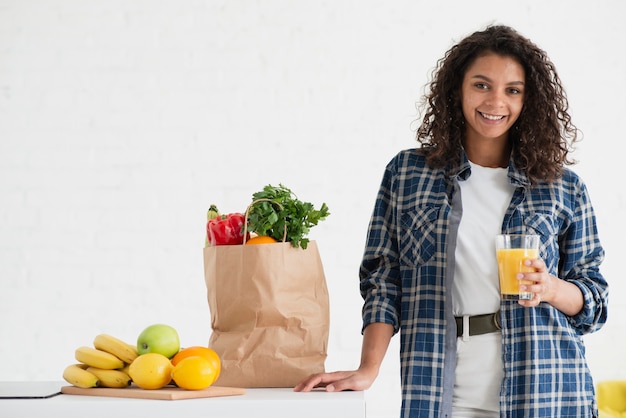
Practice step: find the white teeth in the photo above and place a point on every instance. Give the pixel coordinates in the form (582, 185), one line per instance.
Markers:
(491, 117)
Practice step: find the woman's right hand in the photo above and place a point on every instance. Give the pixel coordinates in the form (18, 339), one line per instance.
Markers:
(337, 381)
(375, 342)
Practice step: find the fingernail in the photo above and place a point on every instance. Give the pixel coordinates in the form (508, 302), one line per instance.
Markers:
(330, 388)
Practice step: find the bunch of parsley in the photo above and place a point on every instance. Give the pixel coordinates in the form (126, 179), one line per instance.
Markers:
(277, 208)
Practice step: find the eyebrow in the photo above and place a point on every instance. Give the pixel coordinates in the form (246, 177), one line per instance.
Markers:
(484, 77)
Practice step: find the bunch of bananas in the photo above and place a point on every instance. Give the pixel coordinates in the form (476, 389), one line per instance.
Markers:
(105, 364)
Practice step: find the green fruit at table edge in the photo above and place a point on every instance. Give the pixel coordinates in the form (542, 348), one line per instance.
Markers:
(158, 338)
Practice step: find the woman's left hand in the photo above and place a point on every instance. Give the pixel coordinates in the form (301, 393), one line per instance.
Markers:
(543, 285)
(562, 294)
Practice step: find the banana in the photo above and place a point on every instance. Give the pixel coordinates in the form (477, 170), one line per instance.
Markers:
(125, 369)
(110, 378)
(97, 358)
(76, 375)
(120, 349)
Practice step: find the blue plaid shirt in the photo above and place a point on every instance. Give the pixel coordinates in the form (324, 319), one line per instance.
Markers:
(406, 280)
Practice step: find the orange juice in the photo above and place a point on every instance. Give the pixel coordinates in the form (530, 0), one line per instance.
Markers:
(511, 262)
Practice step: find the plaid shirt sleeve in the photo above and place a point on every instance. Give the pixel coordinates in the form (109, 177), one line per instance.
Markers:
(379, 272)
(580, 257)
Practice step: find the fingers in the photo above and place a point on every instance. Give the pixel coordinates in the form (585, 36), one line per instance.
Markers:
(343, 381)
(309, 383)
(540, 282)
(335, 382)
(319, 380)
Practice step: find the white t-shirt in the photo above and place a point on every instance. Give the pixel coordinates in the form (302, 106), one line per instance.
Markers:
(485, 196)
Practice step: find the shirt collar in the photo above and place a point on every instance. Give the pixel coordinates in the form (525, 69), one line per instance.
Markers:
(463, 171)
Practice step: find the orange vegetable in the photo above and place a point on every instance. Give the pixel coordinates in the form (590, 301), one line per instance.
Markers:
(261, 239)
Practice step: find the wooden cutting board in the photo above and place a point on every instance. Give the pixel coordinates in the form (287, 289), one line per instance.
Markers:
(167, 393)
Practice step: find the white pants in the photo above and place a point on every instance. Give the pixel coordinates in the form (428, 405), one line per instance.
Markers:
(479, 373)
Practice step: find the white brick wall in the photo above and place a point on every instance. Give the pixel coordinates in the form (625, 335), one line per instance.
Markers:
(121, 121)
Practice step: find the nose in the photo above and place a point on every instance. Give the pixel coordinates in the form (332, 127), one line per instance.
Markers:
(495, 98)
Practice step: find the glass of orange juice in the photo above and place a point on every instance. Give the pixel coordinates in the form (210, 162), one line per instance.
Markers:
(511, 251)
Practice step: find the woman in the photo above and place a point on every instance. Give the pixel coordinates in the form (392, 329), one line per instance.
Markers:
(495, 139)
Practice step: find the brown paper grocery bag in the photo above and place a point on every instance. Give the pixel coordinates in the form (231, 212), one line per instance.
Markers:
(269, 313)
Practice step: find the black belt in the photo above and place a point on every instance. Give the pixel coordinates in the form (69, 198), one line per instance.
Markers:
(479, 324)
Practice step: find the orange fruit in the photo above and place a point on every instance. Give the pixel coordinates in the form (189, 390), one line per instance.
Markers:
(194, 373)
(151, 371)
(201, 351)
(261, 239)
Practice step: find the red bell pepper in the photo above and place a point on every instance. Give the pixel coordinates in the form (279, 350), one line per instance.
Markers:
(225, 229)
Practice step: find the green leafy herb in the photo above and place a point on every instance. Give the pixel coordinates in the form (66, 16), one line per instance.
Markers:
(284, 210)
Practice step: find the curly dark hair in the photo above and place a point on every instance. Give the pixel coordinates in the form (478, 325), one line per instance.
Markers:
(542, 136)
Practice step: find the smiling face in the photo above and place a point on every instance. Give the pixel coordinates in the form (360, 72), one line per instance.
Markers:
(492, 96)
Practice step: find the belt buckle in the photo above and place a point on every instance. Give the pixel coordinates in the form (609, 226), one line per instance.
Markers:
(496, 320)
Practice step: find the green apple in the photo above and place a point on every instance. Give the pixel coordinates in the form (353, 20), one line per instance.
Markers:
(158, 338)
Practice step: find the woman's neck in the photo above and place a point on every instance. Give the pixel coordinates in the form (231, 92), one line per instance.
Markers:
(488, 153)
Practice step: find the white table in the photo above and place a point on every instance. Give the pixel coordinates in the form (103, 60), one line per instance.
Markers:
(256, 403)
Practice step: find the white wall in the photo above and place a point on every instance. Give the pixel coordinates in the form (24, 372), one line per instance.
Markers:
(122, 120)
